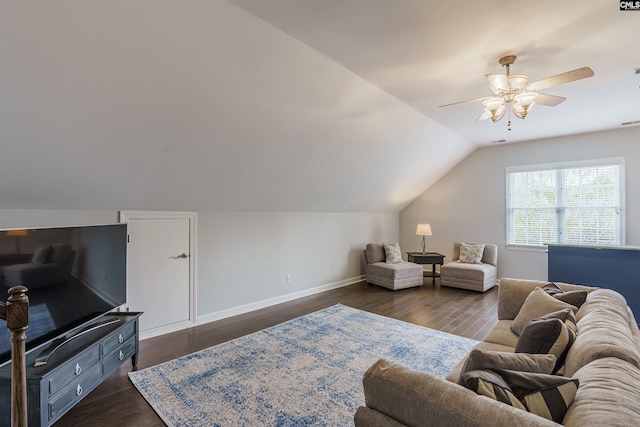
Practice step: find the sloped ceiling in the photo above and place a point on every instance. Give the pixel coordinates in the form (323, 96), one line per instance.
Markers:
(429, 53)
(220, 106)
(197, 105)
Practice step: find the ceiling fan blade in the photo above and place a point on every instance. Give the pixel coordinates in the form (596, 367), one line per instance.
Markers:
(560, 79)
(497, 82)
(465, 102)
(549, 100)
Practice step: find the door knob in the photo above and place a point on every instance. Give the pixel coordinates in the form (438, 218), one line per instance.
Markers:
(183, 255)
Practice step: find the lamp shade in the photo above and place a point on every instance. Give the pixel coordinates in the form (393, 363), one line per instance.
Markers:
(423, 230)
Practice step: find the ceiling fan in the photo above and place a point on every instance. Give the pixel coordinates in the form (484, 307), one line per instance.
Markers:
(516, 90)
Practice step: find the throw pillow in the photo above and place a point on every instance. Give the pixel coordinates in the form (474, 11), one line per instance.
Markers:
(548, 396)
(470, 254)
(576, 298)
(392, 253)
(546, 336)
(482, 360)
(537, 304)
(42, 254)
(489, 383)
(566, 315)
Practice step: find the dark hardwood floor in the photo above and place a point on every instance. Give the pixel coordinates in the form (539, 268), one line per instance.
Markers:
(116, 402)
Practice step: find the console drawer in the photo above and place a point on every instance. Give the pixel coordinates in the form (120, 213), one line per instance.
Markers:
(113, 341)
(70, 395)
(73, 369)
(115, 358)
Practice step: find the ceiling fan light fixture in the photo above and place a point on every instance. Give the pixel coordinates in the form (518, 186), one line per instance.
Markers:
(518, 81)
(516, 90)
(495, 108)
(498, 83)
(523, 102)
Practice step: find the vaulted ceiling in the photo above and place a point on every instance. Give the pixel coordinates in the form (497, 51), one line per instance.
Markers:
(429, 53)
(301, 105)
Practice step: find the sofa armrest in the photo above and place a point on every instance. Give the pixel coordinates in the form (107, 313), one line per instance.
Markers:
(366, 417)
(415, 398)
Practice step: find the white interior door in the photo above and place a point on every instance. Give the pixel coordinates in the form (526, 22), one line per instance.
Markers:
(159, 271)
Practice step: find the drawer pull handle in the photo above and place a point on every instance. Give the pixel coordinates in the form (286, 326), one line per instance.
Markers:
(120, 355)
(120, 339)
(78, 369)
(78, 390)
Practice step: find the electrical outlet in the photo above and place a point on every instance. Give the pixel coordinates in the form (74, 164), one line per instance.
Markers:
(288, 278)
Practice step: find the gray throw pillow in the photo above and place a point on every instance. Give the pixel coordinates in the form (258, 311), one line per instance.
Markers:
(547, 336)
(490, 384)
(548, 396)
(576, 298)
(481, 360)
(537, 304)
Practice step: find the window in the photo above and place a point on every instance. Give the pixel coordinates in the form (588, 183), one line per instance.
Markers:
(578, 203)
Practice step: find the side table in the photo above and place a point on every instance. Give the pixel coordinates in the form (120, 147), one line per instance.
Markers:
(433, 258)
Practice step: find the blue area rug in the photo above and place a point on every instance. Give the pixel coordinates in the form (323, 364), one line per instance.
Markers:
(304, 372)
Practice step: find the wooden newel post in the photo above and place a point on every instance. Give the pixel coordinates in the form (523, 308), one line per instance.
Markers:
(17, 315)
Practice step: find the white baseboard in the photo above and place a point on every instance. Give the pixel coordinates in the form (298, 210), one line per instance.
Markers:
(166, 329)
(241, 309)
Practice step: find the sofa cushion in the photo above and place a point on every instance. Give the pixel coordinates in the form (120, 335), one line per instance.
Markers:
(501, 333)
(546, 336)
(398, 270)
(482, 360)
(603, 331)
(393, 254)
(537, 304)
(607, 396)
(575, 298)
(474, 272)
(471, 254)
(548, 396)
(375, 253)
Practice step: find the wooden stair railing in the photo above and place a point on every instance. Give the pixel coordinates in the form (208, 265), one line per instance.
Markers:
(16, 313)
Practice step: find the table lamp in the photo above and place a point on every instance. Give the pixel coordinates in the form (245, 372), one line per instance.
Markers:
(423, 230)
(17, 234)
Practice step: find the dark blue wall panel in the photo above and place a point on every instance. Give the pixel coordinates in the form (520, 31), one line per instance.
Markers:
(613, 268)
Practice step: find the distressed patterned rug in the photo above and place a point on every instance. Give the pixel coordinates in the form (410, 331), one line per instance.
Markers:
(304, 372)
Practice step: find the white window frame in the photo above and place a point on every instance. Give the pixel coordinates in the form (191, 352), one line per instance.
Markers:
(560, 209)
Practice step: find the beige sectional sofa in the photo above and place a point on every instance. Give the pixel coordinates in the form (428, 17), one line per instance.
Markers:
(605, 358)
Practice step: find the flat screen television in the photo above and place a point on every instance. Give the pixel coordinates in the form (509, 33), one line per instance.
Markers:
(74, 275)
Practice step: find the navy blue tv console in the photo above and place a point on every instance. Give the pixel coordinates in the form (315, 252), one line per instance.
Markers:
(616, 268)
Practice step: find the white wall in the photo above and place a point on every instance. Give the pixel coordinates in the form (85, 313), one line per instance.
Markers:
(243, 259)
(468, 203)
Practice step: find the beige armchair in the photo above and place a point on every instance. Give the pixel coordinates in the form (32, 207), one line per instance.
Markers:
(475, 276)
(399, 275)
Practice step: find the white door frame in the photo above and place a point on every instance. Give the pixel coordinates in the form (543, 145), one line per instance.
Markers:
(125, 216)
